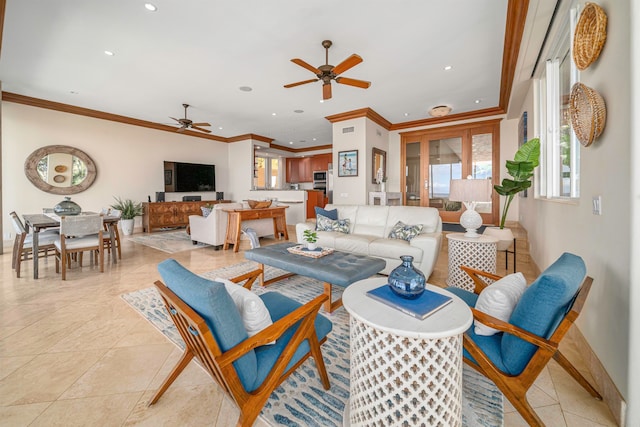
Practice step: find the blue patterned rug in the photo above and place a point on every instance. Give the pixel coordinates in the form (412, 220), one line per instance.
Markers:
(168, 241)
(301, 400)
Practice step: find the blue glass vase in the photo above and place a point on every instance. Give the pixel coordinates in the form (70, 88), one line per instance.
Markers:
(67, 207)
(407, 281)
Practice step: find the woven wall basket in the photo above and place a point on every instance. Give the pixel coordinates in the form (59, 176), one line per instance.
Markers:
(589, 36)
(588, 113)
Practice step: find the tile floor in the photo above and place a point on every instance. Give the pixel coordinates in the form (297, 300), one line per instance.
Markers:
(73, 353)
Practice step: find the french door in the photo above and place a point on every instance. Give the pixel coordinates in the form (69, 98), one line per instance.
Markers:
(432, 158)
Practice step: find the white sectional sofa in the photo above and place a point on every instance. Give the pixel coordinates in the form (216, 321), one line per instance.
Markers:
(213, 229)
(369, 228)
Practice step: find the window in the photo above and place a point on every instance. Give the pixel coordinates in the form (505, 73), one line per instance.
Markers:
(559, 171)
(266, 172)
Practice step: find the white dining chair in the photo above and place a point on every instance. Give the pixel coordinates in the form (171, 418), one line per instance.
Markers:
(23, 243)
(79, 234)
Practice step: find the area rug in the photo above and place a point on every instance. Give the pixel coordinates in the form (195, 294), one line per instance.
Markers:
(167, 241)
(301, 400)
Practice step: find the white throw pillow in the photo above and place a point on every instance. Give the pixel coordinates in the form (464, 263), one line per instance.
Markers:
(499, 299)
(254, 313)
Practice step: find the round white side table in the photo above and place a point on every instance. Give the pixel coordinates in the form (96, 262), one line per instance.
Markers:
(475, 252)
(402, 368)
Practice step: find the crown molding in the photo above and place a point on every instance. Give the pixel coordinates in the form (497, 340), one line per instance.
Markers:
(301, 150)
(363, 112)
(250, 136)
(494, 111)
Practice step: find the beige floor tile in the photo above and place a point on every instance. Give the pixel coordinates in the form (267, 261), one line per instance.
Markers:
(36, 339)
(45, 377)
(551, 415)
(193, 374)
(110, 410)
(95, 334)
(181, 406)
(7, 331)
(21, 415)
(580, 421)
(10, 364)
(121, 370)
(142, 332)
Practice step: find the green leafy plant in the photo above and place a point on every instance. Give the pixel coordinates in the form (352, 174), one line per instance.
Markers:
(310, 236)
(521, 169)
(128, 208)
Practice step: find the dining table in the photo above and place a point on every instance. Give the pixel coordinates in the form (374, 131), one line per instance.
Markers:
(39, 222)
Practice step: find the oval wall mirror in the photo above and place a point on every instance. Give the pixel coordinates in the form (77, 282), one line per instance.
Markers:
(60, 169)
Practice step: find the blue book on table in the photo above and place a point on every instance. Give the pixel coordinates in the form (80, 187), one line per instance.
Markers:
(420, 308)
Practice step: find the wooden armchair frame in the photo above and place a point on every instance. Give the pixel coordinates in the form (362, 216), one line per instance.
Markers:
(515, 387)
(200, 343)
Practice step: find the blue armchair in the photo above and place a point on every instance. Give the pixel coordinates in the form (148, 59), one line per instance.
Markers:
(245, 367)
(514, 357)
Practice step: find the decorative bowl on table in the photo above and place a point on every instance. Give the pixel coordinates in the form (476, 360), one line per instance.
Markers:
(259, 204)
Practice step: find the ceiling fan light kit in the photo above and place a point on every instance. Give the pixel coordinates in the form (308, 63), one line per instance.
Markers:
(440, 111)
(328, 72)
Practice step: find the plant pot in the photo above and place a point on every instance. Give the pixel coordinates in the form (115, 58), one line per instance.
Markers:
(504, 236)
(127, 226)
(311, 246)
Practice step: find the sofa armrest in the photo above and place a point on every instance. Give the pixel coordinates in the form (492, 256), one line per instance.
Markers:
(430, 244)
(301, 227)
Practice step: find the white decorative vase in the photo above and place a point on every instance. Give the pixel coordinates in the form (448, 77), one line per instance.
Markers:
(127, 226)
(311, 246)
(383, 187)
(504, 235)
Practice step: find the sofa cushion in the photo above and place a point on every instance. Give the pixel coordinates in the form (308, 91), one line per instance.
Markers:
(541, 308)
(499, 299)
(354, 243)
(371, 220)
(345, 212)
(393, 249)
(214, 304)
(254, 313)
(326, 224)
(429, 218)
(205, 211)
(404, 231)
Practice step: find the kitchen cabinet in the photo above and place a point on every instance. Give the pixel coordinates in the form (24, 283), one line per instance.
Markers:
(314, 198)
(300, 169)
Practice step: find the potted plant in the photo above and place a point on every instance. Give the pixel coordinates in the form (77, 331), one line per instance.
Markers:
(128, 211)
(311, 237)
(520, 169)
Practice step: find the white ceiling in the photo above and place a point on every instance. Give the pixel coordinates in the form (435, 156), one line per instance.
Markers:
(201, 51)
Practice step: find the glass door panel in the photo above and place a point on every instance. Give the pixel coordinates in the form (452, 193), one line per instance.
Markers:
(445, 164)
(482, 165)
(413, 180)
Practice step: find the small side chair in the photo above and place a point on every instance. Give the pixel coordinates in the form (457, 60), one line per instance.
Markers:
(514, 357)
(23, 243)
(247, 368)
(79, 234)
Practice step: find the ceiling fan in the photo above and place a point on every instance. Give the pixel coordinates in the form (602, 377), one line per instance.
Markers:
(188, 124)
(327, 72)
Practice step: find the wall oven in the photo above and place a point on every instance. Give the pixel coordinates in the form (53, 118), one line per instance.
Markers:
(320, 180)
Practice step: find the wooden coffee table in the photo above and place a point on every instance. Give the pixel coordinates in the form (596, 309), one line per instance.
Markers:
(338, 268)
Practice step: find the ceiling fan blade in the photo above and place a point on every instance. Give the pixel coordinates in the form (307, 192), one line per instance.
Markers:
(181, 129)
(326, 91)
(353, 82)
(351, 61)
(200, 124)
(301, 83)
(303, 64)
(177, 120)
(200, 129)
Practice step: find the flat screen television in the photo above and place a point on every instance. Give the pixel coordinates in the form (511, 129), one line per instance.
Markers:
(188, 177)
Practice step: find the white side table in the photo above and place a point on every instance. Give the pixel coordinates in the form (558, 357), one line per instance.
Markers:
(475, 252)
(404, 369)
(385, 198)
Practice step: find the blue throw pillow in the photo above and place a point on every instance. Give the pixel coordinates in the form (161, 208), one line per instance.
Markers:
(329, 214)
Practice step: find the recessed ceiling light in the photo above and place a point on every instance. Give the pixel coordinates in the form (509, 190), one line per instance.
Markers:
(314, 139)
(477, 101)
(73, 92)
(322, 101)
(273, 114)
(298, 111)
(448, 67)
(150, 7)
(291, 142)
(406, 114)
(220, 127)
(258, 147)
(108, 53)
(245, 88)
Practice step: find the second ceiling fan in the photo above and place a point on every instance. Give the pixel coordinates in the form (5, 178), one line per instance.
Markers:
(186, 123)
(327, 72)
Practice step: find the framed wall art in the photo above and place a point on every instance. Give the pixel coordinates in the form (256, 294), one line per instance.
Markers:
(348, 163)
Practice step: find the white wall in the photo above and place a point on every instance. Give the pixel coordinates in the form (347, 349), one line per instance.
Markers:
(129, 159)
(350, 190)
(603, 241)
